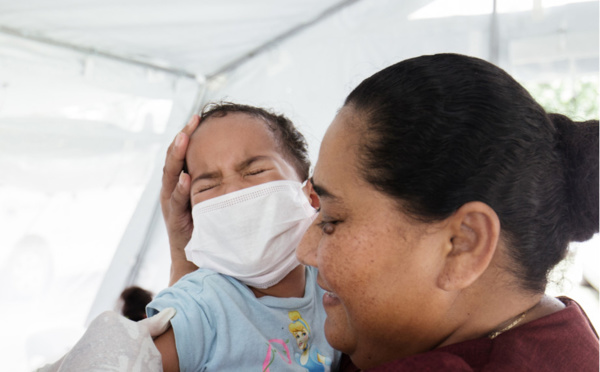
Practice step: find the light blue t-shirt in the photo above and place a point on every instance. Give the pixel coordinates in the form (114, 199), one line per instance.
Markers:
(221, 326)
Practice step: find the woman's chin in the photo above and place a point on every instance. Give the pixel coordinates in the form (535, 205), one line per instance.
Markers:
(337, 331)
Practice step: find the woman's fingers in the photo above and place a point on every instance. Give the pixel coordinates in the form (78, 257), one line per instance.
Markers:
(174, 165)
(180, 197)
(175, 192)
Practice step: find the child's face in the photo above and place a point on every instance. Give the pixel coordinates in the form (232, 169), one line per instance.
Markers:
(233, 152)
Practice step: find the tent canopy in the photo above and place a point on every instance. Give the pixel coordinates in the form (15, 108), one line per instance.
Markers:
(92, 92)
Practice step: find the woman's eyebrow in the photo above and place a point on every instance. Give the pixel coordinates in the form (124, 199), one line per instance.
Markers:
(322, 192)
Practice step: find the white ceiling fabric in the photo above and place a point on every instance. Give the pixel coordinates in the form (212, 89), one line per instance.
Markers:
(196, 36)
(92, 92)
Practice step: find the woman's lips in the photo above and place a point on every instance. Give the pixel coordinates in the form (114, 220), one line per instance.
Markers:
(330, 299)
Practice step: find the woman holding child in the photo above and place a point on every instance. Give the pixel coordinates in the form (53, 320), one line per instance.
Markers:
(446, 196)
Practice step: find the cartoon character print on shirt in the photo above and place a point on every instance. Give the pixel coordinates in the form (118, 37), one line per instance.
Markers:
(308, 356)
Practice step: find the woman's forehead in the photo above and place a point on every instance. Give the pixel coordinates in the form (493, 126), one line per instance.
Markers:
(340, 142)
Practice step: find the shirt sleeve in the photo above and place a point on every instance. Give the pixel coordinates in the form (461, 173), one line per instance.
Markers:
(191, 325)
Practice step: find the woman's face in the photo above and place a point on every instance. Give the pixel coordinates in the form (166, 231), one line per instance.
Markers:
(231, 153)
(377, 265)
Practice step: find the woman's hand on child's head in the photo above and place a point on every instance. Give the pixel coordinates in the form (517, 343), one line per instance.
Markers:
(175, 192)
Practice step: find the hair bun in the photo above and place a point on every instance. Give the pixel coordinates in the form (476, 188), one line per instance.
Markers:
(578, 142)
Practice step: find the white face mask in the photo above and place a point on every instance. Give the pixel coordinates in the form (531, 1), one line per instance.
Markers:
(251, 234)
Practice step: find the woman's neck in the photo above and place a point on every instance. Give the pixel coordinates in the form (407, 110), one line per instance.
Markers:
(291, 286)
(491, 311)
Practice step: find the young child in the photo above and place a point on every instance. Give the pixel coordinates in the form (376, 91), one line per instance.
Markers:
(250, 211)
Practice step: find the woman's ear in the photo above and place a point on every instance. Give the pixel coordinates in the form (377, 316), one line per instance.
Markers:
(310, 193)
(474, 231)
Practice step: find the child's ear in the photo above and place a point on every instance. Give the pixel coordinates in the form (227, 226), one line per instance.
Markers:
(472, 241)
(310, 193)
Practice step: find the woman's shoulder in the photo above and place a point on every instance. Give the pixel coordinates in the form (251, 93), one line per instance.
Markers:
(571, 321)
(562, 341)
(576, 312)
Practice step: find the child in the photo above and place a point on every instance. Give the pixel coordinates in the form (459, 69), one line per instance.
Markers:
(250, 211)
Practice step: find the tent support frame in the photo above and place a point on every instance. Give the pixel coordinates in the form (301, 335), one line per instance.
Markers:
(279, 38)
(92, 51)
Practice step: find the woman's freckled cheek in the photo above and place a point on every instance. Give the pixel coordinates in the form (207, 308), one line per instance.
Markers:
(346, 264)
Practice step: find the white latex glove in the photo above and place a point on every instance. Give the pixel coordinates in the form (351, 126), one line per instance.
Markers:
(117, 344)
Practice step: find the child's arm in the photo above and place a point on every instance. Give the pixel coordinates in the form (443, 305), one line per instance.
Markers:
(165, 343)
(179, 268)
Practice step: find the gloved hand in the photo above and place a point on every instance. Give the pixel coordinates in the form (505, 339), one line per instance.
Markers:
(115, 343)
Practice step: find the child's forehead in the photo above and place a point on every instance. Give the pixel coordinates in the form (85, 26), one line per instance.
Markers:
(233, 122)
(235, 137)
(237, 129)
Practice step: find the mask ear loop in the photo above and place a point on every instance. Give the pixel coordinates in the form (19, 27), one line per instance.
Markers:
(307, 194)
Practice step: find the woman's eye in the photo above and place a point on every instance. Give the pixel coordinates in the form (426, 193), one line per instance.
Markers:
(328, 227)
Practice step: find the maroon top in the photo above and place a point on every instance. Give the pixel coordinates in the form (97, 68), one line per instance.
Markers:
(564, 341)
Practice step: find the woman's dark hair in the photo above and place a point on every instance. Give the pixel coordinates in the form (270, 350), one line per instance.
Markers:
(134, 300)
(289, 140)
(447, 129)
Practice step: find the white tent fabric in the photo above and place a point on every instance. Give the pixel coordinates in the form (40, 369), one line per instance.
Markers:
(92, 92)
(199, 37)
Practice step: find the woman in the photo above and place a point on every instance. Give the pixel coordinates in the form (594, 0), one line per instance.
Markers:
(447, 194)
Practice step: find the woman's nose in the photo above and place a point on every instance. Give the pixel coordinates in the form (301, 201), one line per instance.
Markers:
(307, 249)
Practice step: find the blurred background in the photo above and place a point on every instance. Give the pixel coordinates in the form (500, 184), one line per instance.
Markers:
(92, 92)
